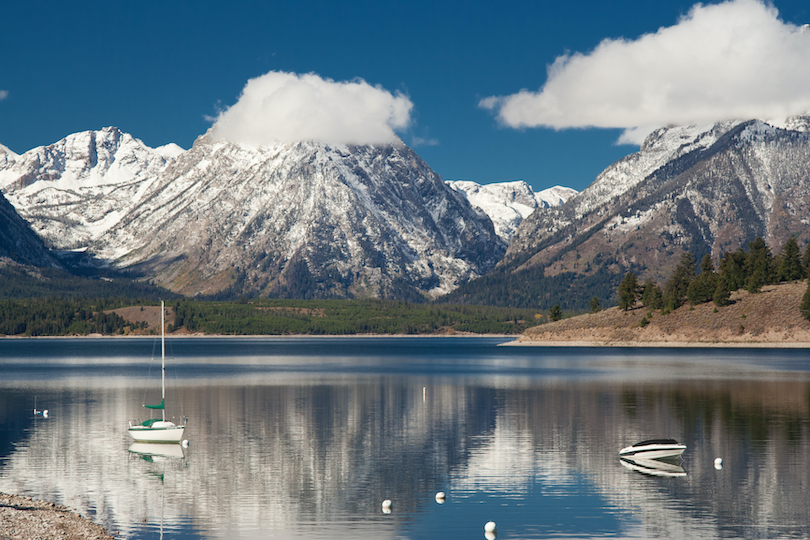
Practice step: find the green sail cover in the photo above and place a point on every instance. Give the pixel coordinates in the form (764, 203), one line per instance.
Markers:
(158, 406)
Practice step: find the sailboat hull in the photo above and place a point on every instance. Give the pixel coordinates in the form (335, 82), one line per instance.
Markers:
(157, 434)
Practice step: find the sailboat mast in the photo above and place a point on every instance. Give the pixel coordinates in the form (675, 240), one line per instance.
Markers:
(162, 361)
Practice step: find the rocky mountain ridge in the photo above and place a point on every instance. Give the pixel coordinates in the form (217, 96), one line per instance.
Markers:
(508, 203)
(302, 219)
(74, 190)
(703, 189)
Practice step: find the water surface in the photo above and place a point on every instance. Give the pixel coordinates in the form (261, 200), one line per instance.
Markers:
(305, 437)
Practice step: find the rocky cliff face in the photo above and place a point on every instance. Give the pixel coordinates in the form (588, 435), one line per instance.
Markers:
(73, 191)
(703, 189)
(508, 203)
(303, 220)
(18, 243)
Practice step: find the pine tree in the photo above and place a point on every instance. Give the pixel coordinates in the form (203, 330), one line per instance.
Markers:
(790, 267)
(677, 285)
(758, 266)
(627, 291)
(652, 297)
(702, 288)
(722, 296)
(732, 268)
(555, 313)
(596, 307)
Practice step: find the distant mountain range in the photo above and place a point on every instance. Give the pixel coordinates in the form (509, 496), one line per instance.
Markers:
(302, 220)
(310, 220)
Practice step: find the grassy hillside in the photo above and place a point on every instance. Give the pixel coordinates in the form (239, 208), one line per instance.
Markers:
(769, 317)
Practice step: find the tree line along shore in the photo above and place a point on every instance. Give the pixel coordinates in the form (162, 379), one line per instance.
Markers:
(122, 316)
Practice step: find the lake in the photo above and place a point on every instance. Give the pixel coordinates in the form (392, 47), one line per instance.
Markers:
(306, 437)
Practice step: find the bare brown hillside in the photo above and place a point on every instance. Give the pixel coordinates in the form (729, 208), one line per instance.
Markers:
(148, 314)
(771, 317)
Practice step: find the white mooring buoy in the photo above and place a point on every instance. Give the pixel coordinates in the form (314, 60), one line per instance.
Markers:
(490, 527)
(718, 463)
(440, 497)
(386, 506)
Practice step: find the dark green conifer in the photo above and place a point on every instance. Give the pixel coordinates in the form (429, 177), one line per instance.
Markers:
(677, 285)
(758, 266)
(627, 291)
(790, 267)
(652, 297)
(722, 296)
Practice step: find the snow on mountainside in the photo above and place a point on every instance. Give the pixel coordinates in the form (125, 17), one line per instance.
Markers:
(702, 189)
(76, 189)
(18, 243)
(300, 219)
(303, 219)
(509, 203)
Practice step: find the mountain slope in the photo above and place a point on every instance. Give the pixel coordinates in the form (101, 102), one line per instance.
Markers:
(509, 203)
(303, 220)
(73, 191)
(18, 243)
(701, 189)
(709, 192)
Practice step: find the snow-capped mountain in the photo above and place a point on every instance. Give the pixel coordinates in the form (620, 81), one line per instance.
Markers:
(509, 203)
(703, 189)
(304, 219)
(301, 219)
(73, 191)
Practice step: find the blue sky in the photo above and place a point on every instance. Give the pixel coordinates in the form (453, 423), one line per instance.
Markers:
(162, 70)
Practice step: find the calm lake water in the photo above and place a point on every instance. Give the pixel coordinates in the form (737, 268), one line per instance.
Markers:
(304, 438)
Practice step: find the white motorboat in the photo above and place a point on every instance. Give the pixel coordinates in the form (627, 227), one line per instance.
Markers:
(158, 430)
(654, 449)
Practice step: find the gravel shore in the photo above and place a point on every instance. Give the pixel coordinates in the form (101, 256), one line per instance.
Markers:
(22, 518)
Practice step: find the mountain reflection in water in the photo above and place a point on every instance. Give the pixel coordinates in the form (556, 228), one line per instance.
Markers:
(308, 446)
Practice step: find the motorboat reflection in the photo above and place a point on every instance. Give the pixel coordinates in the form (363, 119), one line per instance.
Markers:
(654, 467)
(157, 451)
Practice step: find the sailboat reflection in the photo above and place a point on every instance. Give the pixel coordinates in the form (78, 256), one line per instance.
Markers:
(654, 467)
(157, 451)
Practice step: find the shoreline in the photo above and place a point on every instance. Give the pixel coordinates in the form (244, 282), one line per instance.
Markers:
(662, 344)
(516, 340)
(24, 517)
(271, 336)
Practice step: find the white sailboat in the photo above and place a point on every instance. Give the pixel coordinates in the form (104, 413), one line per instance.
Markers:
(158, 430)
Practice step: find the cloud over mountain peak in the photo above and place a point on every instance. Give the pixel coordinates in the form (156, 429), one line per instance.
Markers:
(288, 107)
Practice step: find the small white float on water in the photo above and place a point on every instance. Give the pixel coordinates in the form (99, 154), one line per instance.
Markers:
(490, 527)
(718, 463)
(440, 497)
(386, 505)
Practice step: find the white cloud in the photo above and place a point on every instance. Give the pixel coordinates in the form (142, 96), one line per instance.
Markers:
(3, 94)
(287, 107)
(423, 141)
(734, 60)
